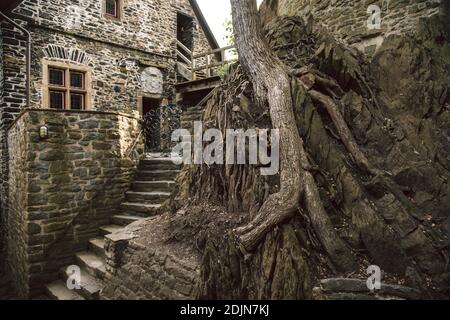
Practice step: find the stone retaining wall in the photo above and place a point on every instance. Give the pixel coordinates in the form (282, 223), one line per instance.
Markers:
(348, 19)
(142, 265)
(61, 189)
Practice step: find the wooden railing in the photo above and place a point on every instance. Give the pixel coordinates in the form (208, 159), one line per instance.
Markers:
(203, 65)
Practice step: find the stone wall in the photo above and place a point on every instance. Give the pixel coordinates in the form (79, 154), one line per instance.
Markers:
(116, 51)
(348, 19)
(2, 233)
(143, 265)
(62, 189)
(13, 98)
(145, 25)
(115, 71)
(16, 222)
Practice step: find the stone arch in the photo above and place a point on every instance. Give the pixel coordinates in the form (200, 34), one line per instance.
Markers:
(68, 54)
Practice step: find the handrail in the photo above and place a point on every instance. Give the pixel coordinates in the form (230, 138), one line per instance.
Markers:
(207, 53)
(189, 51)
(184, 58)
(129, 152)
(213, 65)
(195, 67)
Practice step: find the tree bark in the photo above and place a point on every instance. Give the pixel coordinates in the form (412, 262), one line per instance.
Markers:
(271, 83)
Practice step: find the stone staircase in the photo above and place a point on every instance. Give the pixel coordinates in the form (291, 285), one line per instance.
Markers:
(153, 184)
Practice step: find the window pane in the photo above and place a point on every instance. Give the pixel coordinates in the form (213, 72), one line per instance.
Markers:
(56, 77)
(111, 7)
(76, 80)
(76, 101)
(56, 100)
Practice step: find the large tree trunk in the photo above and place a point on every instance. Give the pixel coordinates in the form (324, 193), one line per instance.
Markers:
(272, 84)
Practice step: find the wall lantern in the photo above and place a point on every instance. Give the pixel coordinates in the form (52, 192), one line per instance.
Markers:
(43, 132)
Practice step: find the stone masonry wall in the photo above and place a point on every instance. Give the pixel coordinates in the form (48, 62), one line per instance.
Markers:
(12, 49)
(348, 18)
(2, 233)
(146, 266)
(63, 188)
(116, 51)
(115, 71)
(17, 240)
(148, 25)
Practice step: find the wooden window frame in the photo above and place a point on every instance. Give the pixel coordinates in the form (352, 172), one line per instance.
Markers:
(64, 93)
(68, 90)
(118, 14)
(63, 79)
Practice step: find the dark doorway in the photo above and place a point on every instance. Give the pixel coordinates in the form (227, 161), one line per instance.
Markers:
(185, 32)
(151, 114)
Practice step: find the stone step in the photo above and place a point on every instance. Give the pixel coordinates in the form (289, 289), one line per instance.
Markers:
(41, 297)
(58, 290)
(192, 113)
(188, 125)
(195, 108)
(97, 246)
(90, 286)
(149, 186)
(156, 160)
(197, 116)
(110, 229)
(132, 196)
(124, 220)
(140, 209)
(156, 175)
(158, 166)
(94, 264)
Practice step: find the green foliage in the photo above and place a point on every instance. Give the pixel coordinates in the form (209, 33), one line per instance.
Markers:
(229, 36)
(224, 70)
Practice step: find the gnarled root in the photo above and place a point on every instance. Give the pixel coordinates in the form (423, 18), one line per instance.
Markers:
(342, 128)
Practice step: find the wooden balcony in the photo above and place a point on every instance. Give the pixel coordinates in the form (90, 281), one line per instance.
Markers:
(199, 71)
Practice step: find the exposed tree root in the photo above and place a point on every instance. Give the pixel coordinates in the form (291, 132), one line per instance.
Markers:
(266, 71)
(344, 132)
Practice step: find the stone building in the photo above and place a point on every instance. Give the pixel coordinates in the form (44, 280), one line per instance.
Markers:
(364, 24)
(76, 79)
(71, 116)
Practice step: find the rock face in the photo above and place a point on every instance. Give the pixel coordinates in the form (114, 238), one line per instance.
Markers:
(398, 223)
(62, 188)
